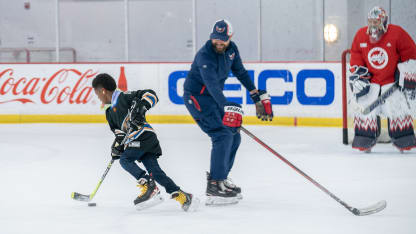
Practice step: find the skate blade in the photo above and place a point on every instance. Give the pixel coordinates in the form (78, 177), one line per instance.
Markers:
(239, 196)
(149, 203)
(194, 206)
(220, 201)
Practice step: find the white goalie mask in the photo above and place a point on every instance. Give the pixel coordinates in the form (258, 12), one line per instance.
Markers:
(377, 23)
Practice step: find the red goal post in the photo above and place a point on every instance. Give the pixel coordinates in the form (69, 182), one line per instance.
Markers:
(344, 97)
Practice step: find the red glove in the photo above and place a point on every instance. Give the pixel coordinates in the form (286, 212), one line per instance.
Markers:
(233, 116)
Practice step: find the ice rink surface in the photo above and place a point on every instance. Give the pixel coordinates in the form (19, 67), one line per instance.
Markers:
(41, 164)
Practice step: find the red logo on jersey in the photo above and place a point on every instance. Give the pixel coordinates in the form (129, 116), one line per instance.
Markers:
(378, 58)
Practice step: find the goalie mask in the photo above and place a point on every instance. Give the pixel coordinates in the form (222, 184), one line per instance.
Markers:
(377, 23)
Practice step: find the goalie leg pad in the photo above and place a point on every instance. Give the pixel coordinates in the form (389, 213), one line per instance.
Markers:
(400, 122)
(405, 143)
(366, 127)
(400, 126)
(401, 132)
(363, 143)
(366, 131)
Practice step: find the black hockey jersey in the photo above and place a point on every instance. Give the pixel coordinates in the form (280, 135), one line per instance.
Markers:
(117, 116)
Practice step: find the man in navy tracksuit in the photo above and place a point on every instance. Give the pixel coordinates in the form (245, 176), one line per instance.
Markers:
(220, 119)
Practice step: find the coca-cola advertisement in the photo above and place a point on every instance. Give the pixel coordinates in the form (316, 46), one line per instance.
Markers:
(57, 88)
(53, 89)
(65, 89)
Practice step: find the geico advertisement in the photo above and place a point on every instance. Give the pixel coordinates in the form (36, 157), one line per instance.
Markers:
(296, 89)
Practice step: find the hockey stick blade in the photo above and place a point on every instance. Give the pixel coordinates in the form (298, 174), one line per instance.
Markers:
(379, 206)
(87, 198)
(80, 197)
(379, 100)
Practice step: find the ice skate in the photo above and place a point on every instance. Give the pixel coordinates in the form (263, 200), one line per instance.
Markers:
(230, 185)
(188, 201)
(150, 194)
(219, 195)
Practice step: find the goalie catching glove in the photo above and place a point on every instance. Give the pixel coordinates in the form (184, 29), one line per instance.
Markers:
(117, 148)
(264, 109)
(233, 115)
(359, 80)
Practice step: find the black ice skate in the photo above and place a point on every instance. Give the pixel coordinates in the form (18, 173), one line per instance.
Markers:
(188, 201)
(218, 194)
(405, 143)
(230, 185)
(150, 194)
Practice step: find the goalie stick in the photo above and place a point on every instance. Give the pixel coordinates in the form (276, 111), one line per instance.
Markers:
(380, 99)
(88, 198)
(379, 206)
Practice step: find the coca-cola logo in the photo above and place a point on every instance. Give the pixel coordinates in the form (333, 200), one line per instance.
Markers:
(64, 86)
(378, 58)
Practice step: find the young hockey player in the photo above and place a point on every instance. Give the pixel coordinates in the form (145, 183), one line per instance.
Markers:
(218, 118)
(135, 140)
(377, 51)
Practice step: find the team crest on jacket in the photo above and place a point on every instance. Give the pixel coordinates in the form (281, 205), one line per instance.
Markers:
(378, 57)
(232, 55)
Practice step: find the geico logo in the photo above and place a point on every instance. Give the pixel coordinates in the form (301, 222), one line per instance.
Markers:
(301, 88)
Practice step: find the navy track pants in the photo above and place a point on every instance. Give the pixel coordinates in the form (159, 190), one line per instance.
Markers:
(225, 140)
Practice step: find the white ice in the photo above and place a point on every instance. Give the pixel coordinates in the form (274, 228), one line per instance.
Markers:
(41, 164)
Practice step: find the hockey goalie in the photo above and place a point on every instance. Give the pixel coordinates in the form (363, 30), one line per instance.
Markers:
(383, 55)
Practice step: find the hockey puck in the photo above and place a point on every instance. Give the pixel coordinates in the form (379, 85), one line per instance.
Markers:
(92, 204)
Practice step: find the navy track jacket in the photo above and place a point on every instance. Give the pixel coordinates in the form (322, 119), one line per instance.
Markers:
(210, 70)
